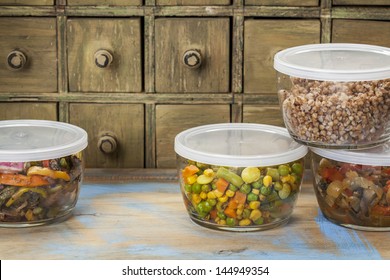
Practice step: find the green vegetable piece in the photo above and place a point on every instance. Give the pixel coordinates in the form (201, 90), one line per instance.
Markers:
(273, 172)
(204, 180)
(253, 197)
(206, 188)
(283, 170)
(259, 221)
(221, 215)
(258, 184)
(231, 222)
(196, 188)
(250, 174)
(232, 187)
(246, 188)
(246, 213)
(297, 168)
(211, 201)
(278, 186)
(230, 176)
(285, 192)
(265, 190)
(202, 165)
(188, 188)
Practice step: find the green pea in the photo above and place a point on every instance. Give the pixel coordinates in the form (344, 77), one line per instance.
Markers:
(273, 172)
(259, 221)
(231, 221)
(283, 170)
(297, 168)
(206, 188)
(213, 186)
(204, 207)
(232, 187)
(246, 213)
(258, 184)
(221, 215)
(196, 188)
(278, 186)
(212, 201)
(265, 190)
(245, 188)
(252, 197)
(188, 188)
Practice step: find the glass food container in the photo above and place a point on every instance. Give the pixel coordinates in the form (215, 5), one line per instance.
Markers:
(239, 176)
(335, 95)
(41, 169)
(352, 187)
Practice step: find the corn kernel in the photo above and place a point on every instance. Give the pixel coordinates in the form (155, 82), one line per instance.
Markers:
(267, 180)
(218, 193)
(230, 193)
(285, 179)
(254, 204)
(222, 222)
(240, 206)
(255, 215)
(196, 198)
(191, 179)
(223, 198)
(211, 195)
(239, 211)
(245, 222)
(256, 191)
(203, 195)
(209, 172)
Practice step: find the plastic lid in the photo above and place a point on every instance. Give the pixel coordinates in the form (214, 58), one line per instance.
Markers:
(376, 156)
(238, 145)
(30, 140)
(335, 62)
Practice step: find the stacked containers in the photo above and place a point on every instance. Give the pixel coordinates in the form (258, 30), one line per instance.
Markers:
(335, 98)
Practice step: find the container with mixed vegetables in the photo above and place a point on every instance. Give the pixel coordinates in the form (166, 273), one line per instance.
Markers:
(240, 198)
(355, 195)
(39, 191)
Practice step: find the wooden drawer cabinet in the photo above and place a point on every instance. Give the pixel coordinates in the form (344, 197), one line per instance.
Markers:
(192, 55)
(104, 2)
(115, 133)
(104, 55)
(283, 2)
(361, 2)
(172, 119)
(27, 2)
(18, 110)
(265, 114)
(192, 2)
(361, 31)
(263, 39)
(28, 54)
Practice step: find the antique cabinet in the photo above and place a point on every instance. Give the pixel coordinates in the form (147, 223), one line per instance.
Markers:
(134, 73)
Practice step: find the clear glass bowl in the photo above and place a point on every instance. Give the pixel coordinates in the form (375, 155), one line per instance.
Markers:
(335, 95)
(239, 177)
(352, 187)
(41, 170)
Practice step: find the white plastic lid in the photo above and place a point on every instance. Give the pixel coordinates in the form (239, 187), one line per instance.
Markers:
(238, 145)
(376, 156)
(31, 140)
(335, 62)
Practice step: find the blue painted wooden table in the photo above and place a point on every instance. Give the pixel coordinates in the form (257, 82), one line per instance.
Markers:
(147, 220)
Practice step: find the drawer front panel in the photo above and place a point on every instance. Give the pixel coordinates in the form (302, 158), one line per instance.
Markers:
(361, 31)
(28, 55)
(361, 2)
(104, 55)
(172, 119)
(265, 114)
(26, 2)
(104, 2)
(192, 55)
(192, 2)
(18, 110)
(115, 133)
(263, 39)
(282, 2)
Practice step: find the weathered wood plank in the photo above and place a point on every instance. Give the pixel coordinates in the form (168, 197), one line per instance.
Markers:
(33, 110)
(283, 2)
(374, 13)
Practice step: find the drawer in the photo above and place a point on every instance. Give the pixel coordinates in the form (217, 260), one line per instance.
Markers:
(104, 2)
(282, 2)
(28, 54)
(270, 114)
(101, 58)
(263, 39)
(192, 55)
(115, 133)
(192, 2)
(361, 2)
(26, 2)
(172, 119)
(361, 31)
(19, 110)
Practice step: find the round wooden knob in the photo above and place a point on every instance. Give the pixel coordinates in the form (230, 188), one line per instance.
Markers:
(103, 58)
(16, 60)
(192, 59)
(107, 144)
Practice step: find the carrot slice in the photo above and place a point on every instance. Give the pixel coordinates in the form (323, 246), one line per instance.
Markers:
(189, 170)
(230, 212)
(20, 180)
(221, 185)
(239, 197)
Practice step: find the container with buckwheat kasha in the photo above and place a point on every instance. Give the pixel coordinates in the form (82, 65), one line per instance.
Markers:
(335, 95)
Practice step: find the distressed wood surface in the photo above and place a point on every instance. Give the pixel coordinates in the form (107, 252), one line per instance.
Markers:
(104, 2)
(33, 110)
(283, 2)
(361, 2)
(192, 2)
(147, 220)
(263, 114)
(26, 2)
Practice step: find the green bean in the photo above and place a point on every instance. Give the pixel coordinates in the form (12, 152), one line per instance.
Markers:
(230, 176)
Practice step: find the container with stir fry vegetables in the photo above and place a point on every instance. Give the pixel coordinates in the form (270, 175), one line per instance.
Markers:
(41, 169)
(239, 176)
